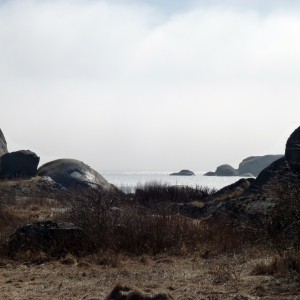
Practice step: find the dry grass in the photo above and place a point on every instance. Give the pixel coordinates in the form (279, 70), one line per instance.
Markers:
(288, 264)
(160, 253)
(151, 194)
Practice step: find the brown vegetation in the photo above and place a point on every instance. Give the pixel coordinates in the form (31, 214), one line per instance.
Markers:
(159, 251)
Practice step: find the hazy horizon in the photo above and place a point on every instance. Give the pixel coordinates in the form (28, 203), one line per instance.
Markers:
(149, 85)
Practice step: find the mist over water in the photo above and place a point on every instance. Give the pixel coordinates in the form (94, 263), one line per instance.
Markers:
(130, 180)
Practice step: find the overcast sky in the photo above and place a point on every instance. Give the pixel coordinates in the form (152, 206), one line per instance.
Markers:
(149, 85)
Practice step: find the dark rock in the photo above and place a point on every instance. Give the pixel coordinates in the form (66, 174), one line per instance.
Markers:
(210, 174)
(254, 199)
(233, 190)
(292, 150)
(262, 195)
(255, 164)
(226, 170)
(275, 175)
(123, 292)
(3, 144)
(19, 164)
(71, 173)
(54, 238)
(183, 173)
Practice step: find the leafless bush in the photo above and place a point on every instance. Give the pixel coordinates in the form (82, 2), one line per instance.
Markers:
(129, 229)
(282, 224)
(153, 193)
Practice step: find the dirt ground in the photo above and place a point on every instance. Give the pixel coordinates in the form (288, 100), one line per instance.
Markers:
(184, 278)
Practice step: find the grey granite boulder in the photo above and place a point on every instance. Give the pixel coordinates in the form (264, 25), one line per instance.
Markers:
(183, 173)
(226, 170)
(3, 144)
(292, 150)
(19, 164)
(71, 173)
(255, 164)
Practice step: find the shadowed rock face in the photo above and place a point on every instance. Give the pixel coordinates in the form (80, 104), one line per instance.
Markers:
(21, 163)
(255, 164)
(292, 151)
(72, 172)
(3, 144)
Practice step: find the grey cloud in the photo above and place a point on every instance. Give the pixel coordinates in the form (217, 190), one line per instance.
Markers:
(125, 85)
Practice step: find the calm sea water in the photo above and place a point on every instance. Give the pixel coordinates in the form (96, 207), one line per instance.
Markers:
(129, 180)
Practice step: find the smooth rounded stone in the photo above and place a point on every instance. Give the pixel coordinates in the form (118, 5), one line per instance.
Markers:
(292, 150)
(53, 238)
(255, 164)
(183, 173)
(19, 164)
(226, 170)
(210, 174)
(3, 144)
(72, 173)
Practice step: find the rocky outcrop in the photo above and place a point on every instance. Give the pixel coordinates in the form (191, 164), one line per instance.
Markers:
(54, 238)
(226, 170)
(255, 164)
(234, 190)
(209, 174)
(249, 167)
(19, 164)
(73, 173)
(183, 173)
(292, 151)
(3, 144)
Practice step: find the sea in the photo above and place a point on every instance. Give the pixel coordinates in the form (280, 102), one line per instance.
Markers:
(128, 181)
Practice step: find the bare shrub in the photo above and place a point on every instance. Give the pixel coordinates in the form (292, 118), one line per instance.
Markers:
(152, 193)
(129, 229)
(281, 265)
(282, 224)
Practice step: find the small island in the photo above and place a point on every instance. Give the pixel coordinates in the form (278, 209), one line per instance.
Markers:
(183, 173)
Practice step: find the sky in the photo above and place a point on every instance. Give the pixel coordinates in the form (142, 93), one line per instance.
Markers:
(149, 85)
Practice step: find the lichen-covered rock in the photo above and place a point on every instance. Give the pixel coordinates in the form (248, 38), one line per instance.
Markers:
(3, 144)
(19, 164)
(292, 150)
(71, 173)
(53, 238)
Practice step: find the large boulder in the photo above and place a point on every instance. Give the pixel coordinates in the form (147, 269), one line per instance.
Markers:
(255, 164)
(226, 170)
(73, 173)
(292, 150)
(183, 173)
(19, 164)
(3, 144)
(53, 238)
